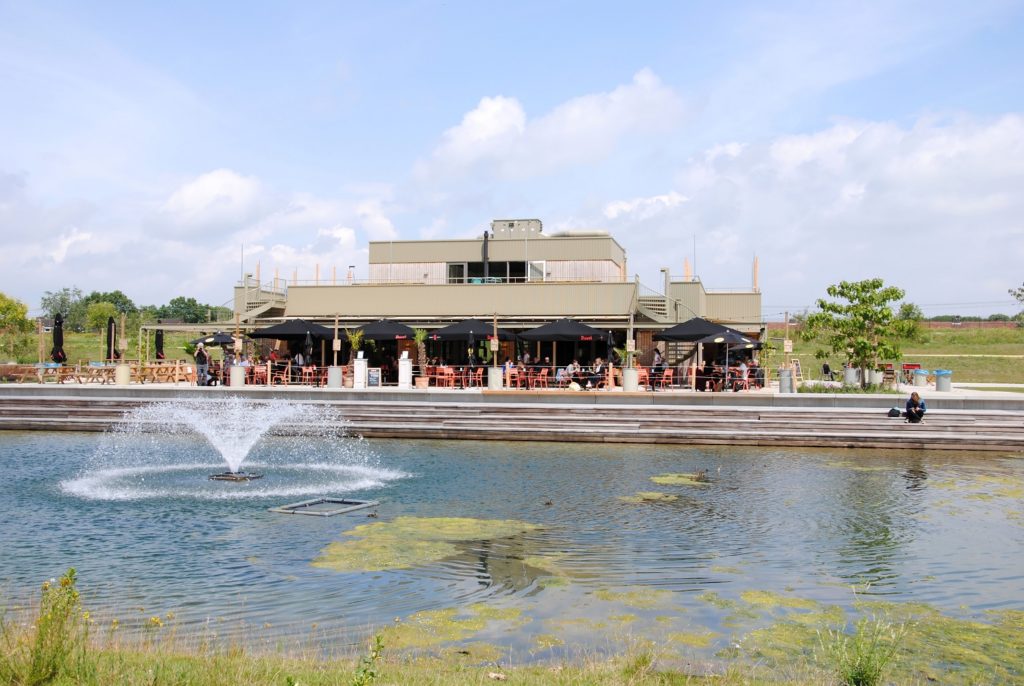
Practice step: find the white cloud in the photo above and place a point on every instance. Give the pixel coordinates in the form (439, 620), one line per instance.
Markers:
(497, 140)
(643, 208)
(934, 208)
(215, 198)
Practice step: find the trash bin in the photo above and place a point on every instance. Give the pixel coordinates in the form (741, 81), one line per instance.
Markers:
(943, 380)
(851, 376)
(920, 377)
(785, 380)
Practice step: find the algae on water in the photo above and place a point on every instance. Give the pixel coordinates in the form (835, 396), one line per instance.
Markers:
(648, 497)
(412, 541)
(685, 479)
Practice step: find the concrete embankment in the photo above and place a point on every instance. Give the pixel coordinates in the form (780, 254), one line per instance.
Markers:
(953, 423)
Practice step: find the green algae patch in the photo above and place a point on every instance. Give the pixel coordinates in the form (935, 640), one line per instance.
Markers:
(553, 582)
(641, 598)
(473, 653)
(411, 541)
(547, 641)
(934, 647)
(450, 625)
(715, 600)
(769, 601)
(684, 479)
(723, 569)
(430, 628)
(691, 639)
(648, 497)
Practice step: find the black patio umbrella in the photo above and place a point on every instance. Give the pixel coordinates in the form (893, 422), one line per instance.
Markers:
(159, 344)
(731, 338)
(111, 332)
(611, 346)
(386, 330)
(293, 330)
(219, 338)
(691, 330)
(563, 331)
(462, 331)
(308, 348)
(57, 354)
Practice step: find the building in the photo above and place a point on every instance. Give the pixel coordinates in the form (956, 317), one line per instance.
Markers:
(515, 272)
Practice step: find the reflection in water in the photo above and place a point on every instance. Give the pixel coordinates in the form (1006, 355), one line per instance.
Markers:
(915, 474)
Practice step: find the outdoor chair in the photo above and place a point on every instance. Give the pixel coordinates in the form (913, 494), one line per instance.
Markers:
(643, 377)
(478, 377)
(541, 381)
(666, 379)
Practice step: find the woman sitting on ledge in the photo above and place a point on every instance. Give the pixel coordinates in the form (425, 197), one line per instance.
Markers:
(915, 409)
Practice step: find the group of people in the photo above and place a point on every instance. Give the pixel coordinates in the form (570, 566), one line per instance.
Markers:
(711, 377)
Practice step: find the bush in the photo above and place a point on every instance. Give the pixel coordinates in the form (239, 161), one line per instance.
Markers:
(861, 658)
(56, 645)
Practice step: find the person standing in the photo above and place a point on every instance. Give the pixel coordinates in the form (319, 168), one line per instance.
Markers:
(915, 409)
(202, 365)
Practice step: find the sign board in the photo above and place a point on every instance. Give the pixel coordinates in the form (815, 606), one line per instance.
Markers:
(787, 345)
(336, 345)
(238, 345)
(373, 376)
(631, 346)
(494, 345)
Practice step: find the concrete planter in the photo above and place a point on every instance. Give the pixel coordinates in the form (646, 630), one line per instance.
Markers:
(630, 379)
(875, 377)
(422, 382)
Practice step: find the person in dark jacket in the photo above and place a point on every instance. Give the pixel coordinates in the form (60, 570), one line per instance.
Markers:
(915, 409)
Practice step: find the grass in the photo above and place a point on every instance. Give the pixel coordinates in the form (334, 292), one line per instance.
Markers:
(1003, 389)
(861, 658)
(964, 351)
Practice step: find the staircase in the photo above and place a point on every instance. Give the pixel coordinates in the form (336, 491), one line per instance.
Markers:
(434, 417)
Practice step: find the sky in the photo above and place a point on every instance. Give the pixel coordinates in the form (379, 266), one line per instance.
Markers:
(163, 149)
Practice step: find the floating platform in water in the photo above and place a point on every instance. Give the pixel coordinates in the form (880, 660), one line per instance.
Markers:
(325, 507)
(235, 476)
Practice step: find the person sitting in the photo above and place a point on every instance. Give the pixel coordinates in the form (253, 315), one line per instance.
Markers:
(915, 409)
(596, 377)
(572, 371)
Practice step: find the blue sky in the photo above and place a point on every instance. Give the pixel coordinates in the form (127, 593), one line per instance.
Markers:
(142, 145)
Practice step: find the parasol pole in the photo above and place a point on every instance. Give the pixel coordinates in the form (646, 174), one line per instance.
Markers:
(334, 345)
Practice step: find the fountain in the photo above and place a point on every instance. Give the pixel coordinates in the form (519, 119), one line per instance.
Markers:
(159, 449)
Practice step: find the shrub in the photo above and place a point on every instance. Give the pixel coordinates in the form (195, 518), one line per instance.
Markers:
(56, 644)
(860, 658)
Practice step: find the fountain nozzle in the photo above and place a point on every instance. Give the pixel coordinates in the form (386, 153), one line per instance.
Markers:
(235, 476)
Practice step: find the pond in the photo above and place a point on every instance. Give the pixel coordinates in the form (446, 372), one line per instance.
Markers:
(528, 550)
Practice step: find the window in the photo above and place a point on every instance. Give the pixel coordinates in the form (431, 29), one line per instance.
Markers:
(456, 272)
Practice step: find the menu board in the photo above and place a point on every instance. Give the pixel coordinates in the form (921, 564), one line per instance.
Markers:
(373, 376)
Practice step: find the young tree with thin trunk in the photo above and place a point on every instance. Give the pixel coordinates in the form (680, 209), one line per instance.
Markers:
(859, 324)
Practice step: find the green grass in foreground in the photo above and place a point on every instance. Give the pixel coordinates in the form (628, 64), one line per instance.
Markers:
(904, 643)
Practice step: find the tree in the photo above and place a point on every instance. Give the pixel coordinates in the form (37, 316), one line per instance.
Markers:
(911, 315)
(118, 299)
(14, 325)
(187, 310)
(67, 302)
(861, 326)
(97, 315)
(1018, 293)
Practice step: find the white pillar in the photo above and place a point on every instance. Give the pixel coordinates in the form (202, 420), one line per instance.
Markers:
(404, 374)
(359, 373)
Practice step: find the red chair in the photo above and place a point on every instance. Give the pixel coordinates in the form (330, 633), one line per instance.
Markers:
(478, 377)
(448, 378)
(541, 381)
(309, 375)
(666, 379)
(643, 377)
